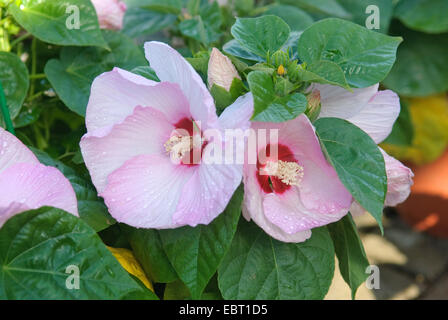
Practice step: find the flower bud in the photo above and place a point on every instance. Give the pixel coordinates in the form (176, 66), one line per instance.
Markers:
(281, 70)
(110, 13)
(280, 58)
(314, 105)
(221, 70)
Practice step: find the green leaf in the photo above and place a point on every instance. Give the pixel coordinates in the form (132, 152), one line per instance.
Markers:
(193, 6)
(15, 82)
(357, 161)
(147, 72)
(27, 116)
(73, 73)
(53, 21)
(357, 8)
(196, 28)
(350, 252)
(148, 250)
(37, 246)
(424, 15)
(224, 98)
(176, 291)
(403, 130)
(261, 36)
(196, 253)
(200, 62)
(234, 48)
(204, 27)
(268, 106)
(90, 207)
(421, 67)
(143, 22)
(324, 72)
(297, 19)
(365, 56)
(162, 6)
(325, 7)
(259, 267)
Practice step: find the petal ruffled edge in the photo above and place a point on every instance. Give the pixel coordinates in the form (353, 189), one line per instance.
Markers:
(13, 151)
(34, 185)
(377, 118)
(170, 66)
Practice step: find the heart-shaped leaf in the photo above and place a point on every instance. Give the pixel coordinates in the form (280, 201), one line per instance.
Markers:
(51, 254)
(259, 267)
(15, 82)
(62, 22)
(358, 162)
(261, 36)
(428, 16)
(421, 69)
(73, 73)
(350, 252)
(365, 56)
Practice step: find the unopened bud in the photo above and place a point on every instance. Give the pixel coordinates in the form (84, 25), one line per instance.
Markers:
(110, 13)
(221, 70)
(281, 70)
(314, 105)
(280, 58)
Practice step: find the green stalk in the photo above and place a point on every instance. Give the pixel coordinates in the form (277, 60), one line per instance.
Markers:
(33, 65)
(5, 111)
(20, 39)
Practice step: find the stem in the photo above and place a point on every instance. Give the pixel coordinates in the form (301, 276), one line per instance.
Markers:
(5, 111)
(20, 39)
(33, 65)
(65, 155)
(38, 76)
(37, 95)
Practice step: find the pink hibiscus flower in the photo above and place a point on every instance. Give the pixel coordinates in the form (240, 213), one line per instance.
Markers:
(110, 13)
(289, 194)
(26, 184)
(375, 112)
(137, 127)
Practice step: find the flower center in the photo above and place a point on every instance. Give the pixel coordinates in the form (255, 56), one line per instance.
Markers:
(179, 146)
(290, 173)
(279, 173)
(186, 143)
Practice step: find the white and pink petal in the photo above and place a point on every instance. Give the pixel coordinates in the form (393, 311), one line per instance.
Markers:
(33, 185)
(238, 114)
(253, 209)
(399, 180)
(13, 151)
(143, 132)
(110, 13)
(145, 191)
(338, 102)
(208, 191)
(379, 115)
(115, 94)
(287, 212)
(171, 67)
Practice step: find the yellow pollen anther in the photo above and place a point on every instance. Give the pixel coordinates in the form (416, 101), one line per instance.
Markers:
(178, 146)
(281, 70)
(290, 173)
